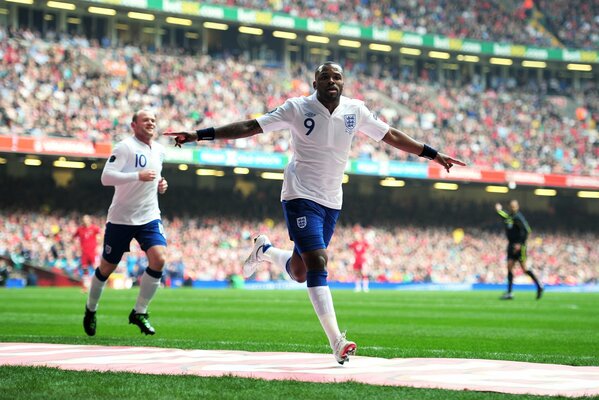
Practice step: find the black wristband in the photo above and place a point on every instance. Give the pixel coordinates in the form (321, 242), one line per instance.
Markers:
(428, 152)
(206, 134)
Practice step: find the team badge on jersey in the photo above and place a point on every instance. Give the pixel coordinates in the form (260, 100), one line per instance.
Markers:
(302, 222)
(107, 249)
(350, 123)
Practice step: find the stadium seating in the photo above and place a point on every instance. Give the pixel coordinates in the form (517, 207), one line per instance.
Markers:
(213, 249)
(67, 86)
(490, 20)
(544, 23)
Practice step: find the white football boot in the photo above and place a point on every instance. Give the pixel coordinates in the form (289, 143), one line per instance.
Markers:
(343, 349)
(251, 263)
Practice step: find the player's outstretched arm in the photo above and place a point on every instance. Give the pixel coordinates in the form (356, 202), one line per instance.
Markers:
(402, 141)
(235, 130)
(499, 209)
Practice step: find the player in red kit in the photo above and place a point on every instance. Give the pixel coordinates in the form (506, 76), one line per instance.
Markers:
(360, 247)
(87, 234)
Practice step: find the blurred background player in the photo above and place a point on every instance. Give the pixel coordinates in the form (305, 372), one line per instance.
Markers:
(360, 246)
(517, 231)
(323, 126)
(134, 170)
(87, 234)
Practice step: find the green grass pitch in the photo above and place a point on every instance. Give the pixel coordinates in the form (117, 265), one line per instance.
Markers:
(562, 328)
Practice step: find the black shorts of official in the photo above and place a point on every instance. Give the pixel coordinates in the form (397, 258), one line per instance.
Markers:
(516, 255)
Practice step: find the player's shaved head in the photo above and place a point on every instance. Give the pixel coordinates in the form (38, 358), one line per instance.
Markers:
(142, 111)
(514, 205)
(328, 64)
(328, 83)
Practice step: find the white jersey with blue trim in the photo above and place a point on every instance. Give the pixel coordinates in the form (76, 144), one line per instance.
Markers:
(320, 142)
(134, 202)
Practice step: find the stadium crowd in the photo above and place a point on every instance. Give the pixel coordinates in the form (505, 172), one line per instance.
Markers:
(69, 86)
(214, 248)
(489, 20)
(574, 24)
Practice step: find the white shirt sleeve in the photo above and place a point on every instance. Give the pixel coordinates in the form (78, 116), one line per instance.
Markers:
(112, 174)
(277, 119)
(371, 125)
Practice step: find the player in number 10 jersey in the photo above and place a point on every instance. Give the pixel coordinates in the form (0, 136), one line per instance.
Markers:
(134, 169)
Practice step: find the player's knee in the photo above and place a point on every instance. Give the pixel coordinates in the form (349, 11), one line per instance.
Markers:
(320, 263)
(300, 277)
(161, 259)
(315, 261)
(106, 268)
(156, 258)
(158, 263)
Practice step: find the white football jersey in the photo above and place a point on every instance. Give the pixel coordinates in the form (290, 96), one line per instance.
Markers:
(320, 142)
(134, 202)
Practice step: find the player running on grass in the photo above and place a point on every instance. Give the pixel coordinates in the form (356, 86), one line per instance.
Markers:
(134, 170)
(322, 126)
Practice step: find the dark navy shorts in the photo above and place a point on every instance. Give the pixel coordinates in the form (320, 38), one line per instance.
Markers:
(310, 224)
(118, 237)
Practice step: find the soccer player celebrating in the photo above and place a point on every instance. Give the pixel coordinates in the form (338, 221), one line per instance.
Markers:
(517, 230)
(322, 126)
(134, 170)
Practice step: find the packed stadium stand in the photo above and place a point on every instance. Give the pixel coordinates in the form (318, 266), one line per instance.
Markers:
(77, 86)
(58, 86)
(574, 23)
(504, 21)
(541, 23)
(211, 248)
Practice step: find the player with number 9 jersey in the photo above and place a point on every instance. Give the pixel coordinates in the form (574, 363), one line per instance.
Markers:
(322, 128)
(321, 142)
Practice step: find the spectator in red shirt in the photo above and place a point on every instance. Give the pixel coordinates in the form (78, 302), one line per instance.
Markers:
(360, 247)
(87, 234)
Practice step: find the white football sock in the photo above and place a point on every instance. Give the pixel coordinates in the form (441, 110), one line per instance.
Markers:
(321, 299)
(147, 290)
(95, 291)
(277, 256)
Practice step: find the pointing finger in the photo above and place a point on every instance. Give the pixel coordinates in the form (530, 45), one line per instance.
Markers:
(456, 161)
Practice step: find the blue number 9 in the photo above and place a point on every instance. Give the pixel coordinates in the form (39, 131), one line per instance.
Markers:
(309, 123)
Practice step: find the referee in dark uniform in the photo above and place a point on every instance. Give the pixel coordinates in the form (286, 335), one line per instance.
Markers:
(517, 230)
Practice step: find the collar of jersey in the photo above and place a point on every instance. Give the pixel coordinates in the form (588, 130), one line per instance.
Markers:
(143, 143)
(323, 109)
